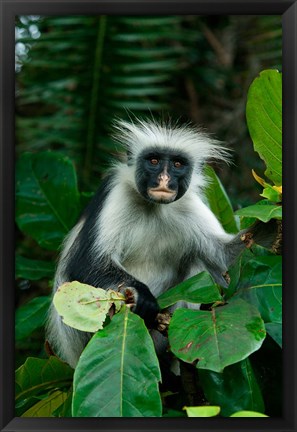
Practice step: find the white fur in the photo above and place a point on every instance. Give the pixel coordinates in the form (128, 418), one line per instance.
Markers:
(192, 140)
(67, 243)
(149, 240)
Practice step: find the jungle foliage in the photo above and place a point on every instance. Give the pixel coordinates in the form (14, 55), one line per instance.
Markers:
(64, 113)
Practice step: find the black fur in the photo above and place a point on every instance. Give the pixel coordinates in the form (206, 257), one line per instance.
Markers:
(84, 267)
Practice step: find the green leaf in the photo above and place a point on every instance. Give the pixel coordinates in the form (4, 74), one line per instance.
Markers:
(248, 414)
(84, 307)
(260, 284)
(202, 411)
(219, 201)
(264, 119)
(270, 193)
(47, 198)
(236, 268)
(33, 269)
(46, 407)
(64, 410)
(233, 390)
(118, 372)
(263, 212)
(36, 376)
(275, 330)
(197, 289)
(31, 317)
(216, 338)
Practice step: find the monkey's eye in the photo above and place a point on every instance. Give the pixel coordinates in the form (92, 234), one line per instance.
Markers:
(154, 161)
(177, 164)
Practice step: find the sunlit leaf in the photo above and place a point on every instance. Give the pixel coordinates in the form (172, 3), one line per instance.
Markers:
(262, 212)
(84, 307)
(219, 201)
(202, 411)
(264, 118)
(248, 414)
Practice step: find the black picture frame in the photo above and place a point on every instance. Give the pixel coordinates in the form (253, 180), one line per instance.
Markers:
(8, 10)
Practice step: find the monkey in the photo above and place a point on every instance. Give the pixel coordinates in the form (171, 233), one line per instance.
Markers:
(148, 227)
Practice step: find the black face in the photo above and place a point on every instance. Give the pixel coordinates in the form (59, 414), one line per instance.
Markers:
(163, 175)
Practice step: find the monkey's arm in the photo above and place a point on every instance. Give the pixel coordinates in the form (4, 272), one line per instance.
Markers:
(103, 272)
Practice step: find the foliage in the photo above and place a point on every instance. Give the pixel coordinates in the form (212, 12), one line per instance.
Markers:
(211, 411)
(36, 382)
(63, 112)
(76, 73)
(264, 118)
(127, 372)
(84, 307)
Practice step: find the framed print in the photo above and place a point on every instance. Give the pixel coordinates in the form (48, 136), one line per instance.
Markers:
(155, 301)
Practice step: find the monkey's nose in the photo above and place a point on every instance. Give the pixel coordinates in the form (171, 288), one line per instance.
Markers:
(164, 177)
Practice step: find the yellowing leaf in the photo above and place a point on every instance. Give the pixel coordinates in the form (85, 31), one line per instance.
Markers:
(84, 307)
(47, 406)
(259, 179)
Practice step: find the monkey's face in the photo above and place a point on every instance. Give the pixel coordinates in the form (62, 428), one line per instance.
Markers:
(162, 176)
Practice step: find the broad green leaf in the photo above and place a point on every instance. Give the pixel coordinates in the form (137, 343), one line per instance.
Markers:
(248, 414)
(236, 268)
(260, 284)
(84, 307)
(262, 212)
(197, 289)
(118, 372)
(47, 198)
(275, 330)
(233, 390)
(33, 269)
(46, 407)
(202, 411)
(219, 201)
(31, 316)
(36, 376)
(264, 119)
(216, 338)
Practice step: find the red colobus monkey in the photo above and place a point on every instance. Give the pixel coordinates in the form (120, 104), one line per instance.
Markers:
(147, 228)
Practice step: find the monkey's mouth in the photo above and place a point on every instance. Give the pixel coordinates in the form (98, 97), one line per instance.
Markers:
(162, 194)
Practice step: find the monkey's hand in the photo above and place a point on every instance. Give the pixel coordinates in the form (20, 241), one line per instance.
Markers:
(143, 303)
(163, 319)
